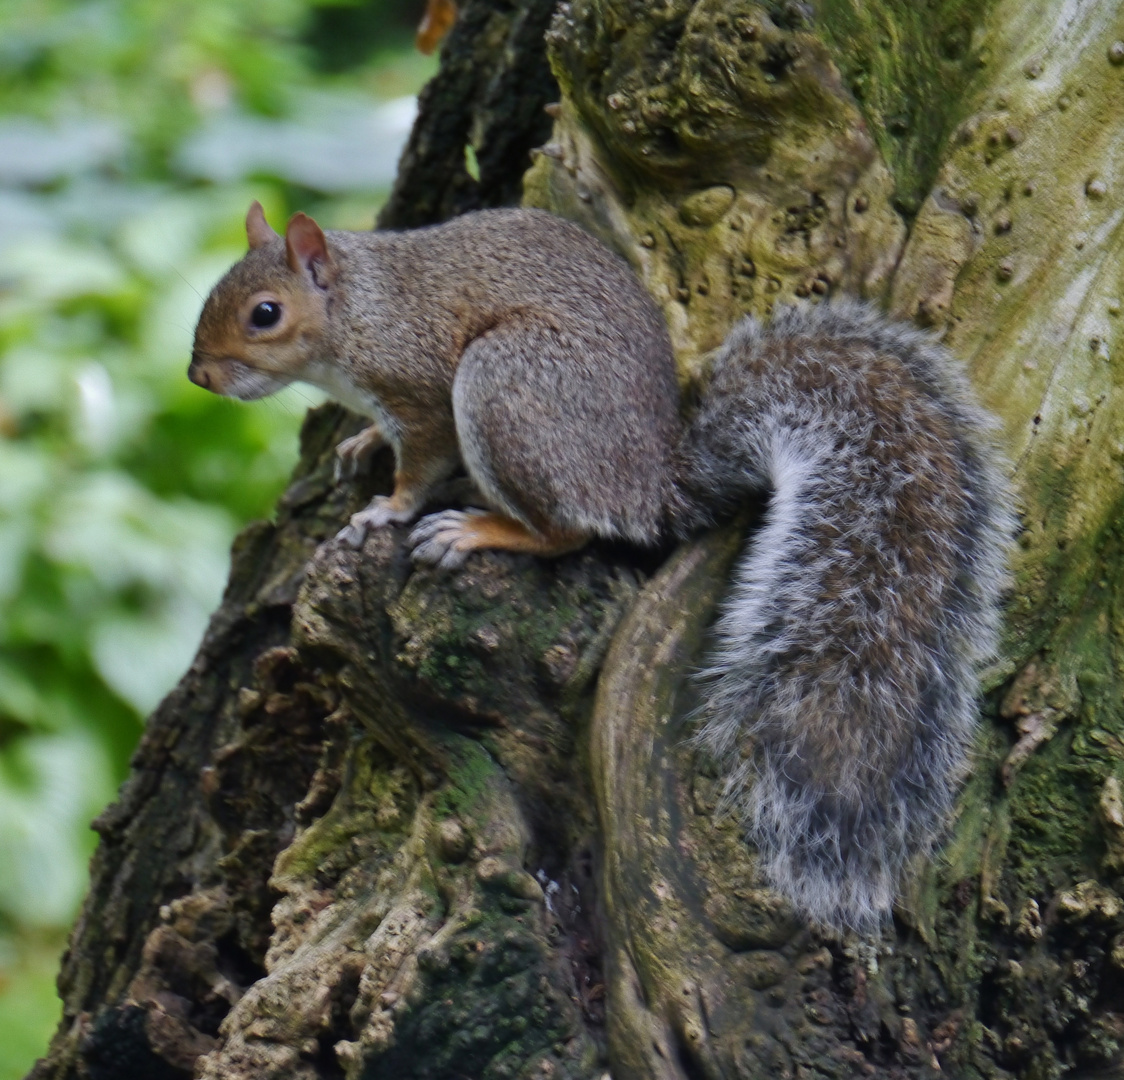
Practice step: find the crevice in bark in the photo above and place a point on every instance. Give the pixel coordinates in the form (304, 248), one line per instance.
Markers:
(909, 67)
(489, 93)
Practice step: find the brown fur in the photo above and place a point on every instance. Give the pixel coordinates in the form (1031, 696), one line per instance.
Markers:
(468, 318)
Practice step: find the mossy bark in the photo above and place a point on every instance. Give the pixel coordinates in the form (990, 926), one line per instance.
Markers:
(401, 823)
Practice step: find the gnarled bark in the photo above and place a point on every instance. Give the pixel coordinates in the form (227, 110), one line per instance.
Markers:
(401, 823)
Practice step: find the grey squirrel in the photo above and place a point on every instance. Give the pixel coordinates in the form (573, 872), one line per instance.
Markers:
(841, 697)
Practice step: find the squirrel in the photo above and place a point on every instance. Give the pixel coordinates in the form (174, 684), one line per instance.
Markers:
(841, 696)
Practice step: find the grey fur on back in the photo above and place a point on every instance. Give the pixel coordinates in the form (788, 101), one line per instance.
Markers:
(565, 396)
(842, 694)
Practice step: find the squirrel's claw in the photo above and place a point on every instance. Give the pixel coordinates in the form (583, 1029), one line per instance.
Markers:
(352, 536)
(353, 454)
(381, 512)
(444, 539)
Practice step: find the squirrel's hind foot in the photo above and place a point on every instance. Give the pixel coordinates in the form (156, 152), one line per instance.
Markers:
(445, 539)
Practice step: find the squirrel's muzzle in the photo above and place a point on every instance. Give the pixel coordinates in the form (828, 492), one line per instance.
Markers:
(199, 375)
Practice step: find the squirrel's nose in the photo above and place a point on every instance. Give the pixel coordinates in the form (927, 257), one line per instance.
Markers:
(198, 375)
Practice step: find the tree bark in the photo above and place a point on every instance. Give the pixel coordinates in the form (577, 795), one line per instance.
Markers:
(402, 823)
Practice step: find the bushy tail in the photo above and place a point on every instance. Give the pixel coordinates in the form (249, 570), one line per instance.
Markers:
(842, 694)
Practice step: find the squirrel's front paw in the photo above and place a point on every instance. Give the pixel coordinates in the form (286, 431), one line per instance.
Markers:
(444, 539)
(382, 511)
(352, 455)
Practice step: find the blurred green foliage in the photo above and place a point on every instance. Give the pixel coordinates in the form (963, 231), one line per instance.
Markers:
(133, 135)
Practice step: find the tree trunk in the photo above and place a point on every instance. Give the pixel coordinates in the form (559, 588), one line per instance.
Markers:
(401, 823)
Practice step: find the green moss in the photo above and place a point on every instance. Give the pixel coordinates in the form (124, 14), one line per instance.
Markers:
(1065, 574)
(1055, 837)
(471, 771)
(908, 65)
(489, 1008)
(1053, 806)
(978, 812)
(375, 806)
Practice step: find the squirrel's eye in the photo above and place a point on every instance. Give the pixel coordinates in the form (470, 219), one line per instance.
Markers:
(266, 314)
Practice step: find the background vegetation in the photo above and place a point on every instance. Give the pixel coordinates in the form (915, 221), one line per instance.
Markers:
(133, 134)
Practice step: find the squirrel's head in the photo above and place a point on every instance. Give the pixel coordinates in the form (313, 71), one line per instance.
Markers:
(267, 318)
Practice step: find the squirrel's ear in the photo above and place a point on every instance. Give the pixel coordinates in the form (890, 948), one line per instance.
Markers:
(308, 250)
(258, 231)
